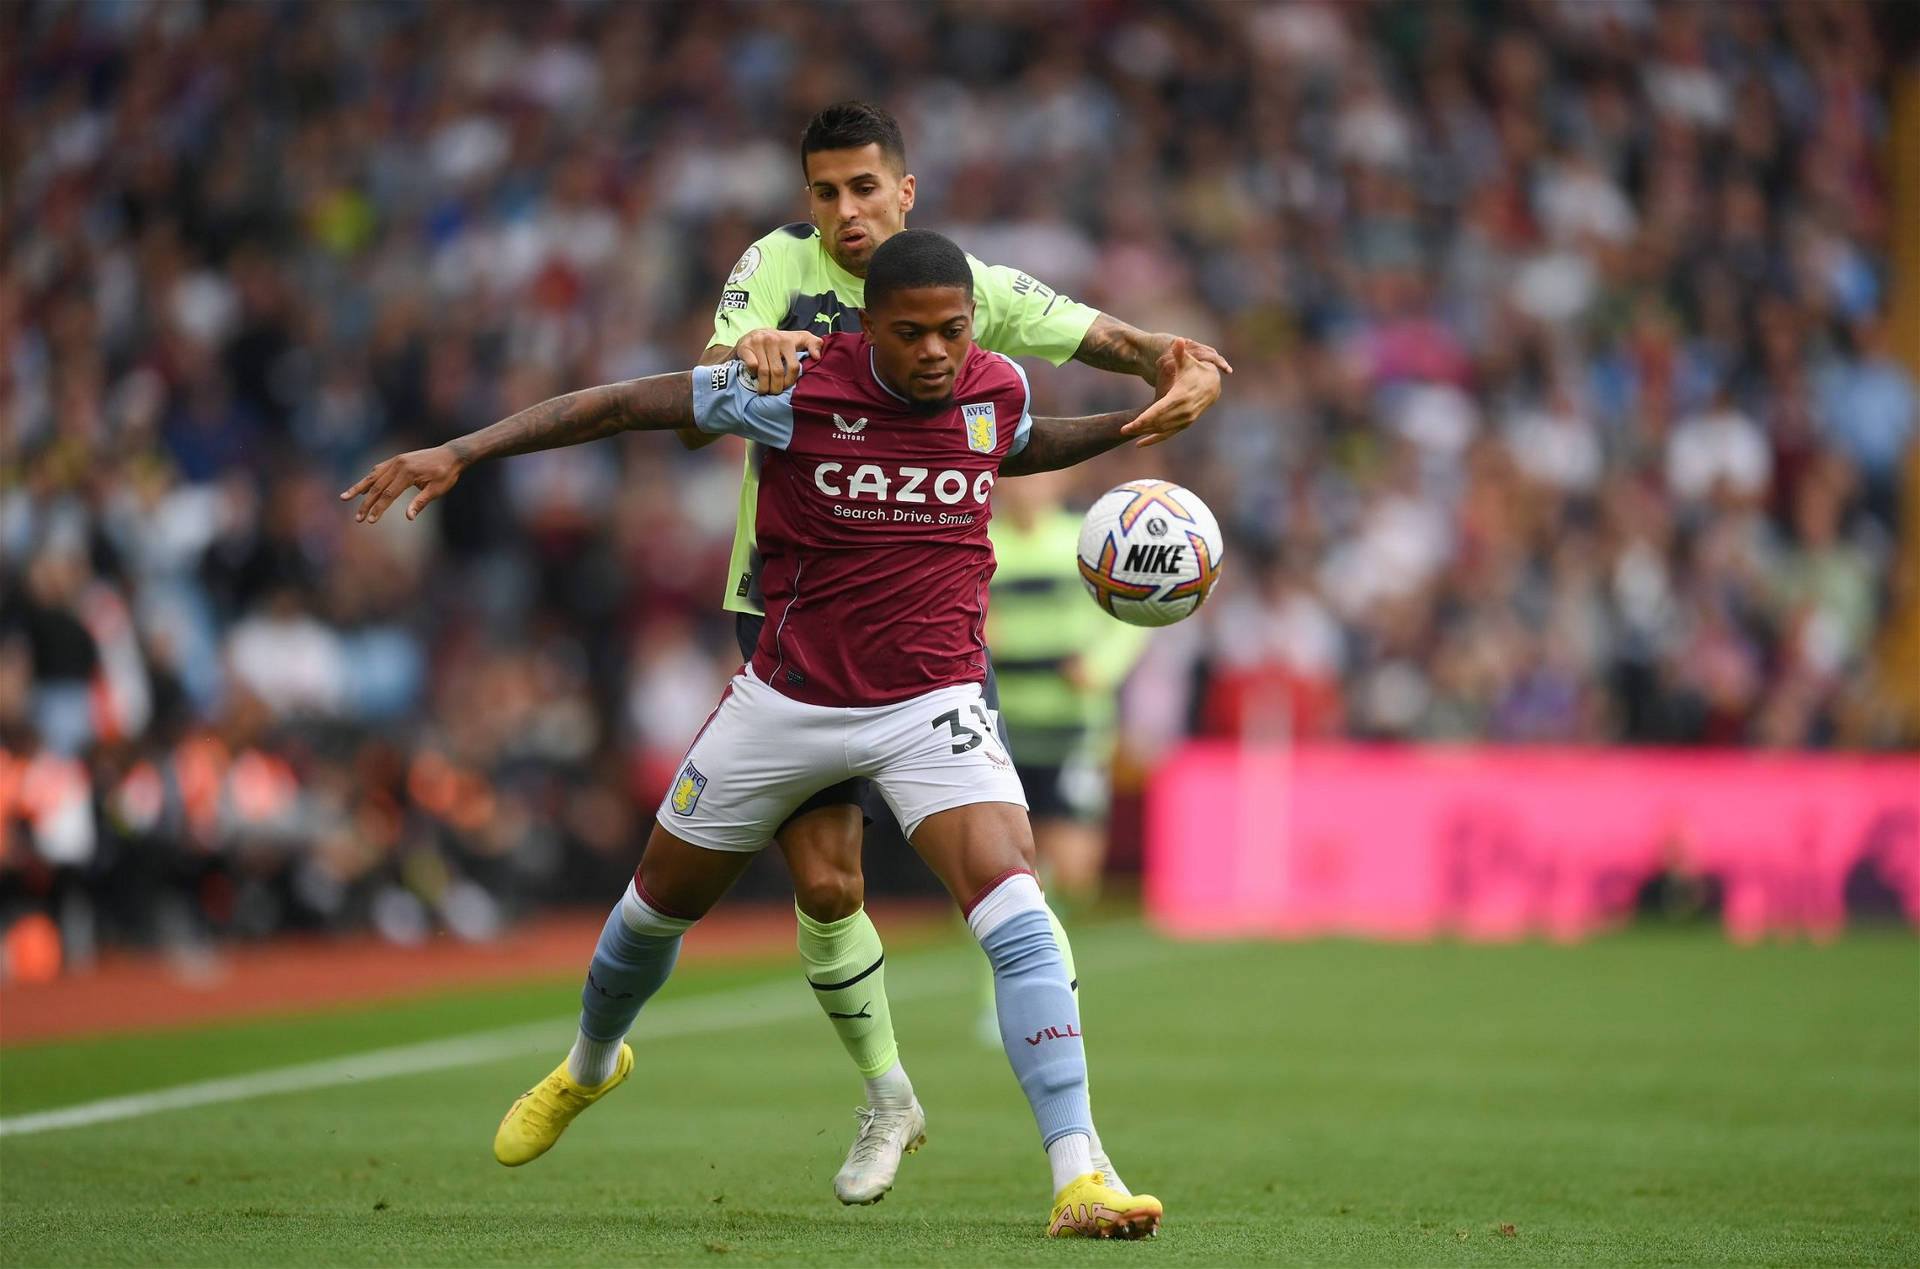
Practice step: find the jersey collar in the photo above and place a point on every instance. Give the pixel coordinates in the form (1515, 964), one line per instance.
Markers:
(873, 369)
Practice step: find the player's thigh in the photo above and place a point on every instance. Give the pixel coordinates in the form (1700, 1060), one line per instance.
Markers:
(972, 847)
(828, 830)
(847, 800)
(758, 758)
(940, 753)
(685, 880)
(935, 752)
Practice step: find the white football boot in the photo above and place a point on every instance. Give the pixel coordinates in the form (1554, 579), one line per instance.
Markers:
(886, 1133)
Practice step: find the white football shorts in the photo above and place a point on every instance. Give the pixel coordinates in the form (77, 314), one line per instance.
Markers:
(762, 754)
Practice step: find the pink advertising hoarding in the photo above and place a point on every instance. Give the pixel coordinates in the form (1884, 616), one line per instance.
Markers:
(1504, 843)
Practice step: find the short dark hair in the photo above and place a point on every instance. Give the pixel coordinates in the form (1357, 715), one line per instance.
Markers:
(849, 125)
(916, 258)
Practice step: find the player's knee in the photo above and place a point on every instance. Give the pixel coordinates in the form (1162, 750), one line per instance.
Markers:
(640, 916)
(829, 893)
(675, 893)
(823, 854)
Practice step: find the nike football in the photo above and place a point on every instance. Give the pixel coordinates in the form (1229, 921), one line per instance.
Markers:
(1150, 552)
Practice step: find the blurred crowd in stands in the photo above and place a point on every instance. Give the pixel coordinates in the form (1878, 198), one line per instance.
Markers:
(1567, 409)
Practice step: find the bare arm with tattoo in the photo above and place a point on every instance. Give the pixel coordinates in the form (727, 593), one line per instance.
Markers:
(657, 403)
(1056, 443)
(1111, 344)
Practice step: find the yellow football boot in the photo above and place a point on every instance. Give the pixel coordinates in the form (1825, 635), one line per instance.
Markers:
(538, 1116)
(1090, 1208)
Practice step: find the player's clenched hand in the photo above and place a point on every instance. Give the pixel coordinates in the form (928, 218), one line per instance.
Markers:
(772, 357)
(1188, 384)
(432, 471)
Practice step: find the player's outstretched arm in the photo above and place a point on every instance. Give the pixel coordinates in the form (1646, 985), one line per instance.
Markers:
(655, 403)
(1056, 443)
(1111, 344)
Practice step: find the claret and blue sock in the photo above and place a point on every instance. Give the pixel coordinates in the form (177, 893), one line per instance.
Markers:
(1039, 1018)
(637, 950)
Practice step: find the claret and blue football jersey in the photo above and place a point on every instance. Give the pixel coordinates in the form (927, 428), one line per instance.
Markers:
(872, 520)
(789, 281)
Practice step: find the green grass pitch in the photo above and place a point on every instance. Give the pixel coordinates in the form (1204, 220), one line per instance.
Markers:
(1648, 1098)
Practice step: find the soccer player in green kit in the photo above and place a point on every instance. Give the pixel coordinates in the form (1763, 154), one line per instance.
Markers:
(793, 286)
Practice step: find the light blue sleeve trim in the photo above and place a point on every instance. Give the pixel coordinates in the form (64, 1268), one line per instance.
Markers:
(1023, 433)
(723, 401)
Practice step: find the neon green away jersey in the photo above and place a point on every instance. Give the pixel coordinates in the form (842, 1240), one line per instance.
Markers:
(787, 281)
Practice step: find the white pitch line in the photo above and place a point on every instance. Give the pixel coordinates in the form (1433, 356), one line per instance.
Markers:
(701, 1015)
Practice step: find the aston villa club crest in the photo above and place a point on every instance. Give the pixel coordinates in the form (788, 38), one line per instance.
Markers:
(687, 790)
(983, 429)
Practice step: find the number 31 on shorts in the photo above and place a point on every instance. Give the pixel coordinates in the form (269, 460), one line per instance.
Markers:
(969, 729)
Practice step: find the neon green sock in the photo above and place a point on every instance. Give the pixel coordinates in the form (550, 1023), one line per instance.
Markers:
(846, 967)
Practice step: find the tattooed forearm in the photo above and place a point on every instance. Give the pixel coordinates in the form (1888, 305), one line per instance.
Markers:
(1111, 344)
(656, 403)
(1057, 443)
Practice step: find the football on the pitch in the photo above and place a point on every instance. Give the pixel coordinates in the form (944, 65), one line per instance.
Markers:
(1150, 552)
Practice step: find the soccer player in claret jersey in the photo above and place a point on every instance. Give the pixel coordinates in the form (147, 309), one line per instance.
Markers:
(876, 492)
(790, 288)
